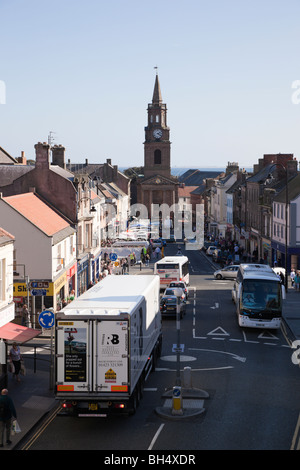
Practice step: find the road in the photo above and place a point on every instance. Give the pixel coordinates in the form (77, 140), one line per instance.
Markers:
(252, 384)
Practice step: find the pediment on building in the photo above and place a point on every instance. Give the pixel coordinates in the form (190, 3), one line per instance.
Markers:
(158, 180)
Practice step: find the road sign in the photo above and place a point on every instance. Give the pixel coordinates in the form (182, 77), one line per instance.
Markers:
(39, 284)
(39, 292)
(113, 256)
(46, 319)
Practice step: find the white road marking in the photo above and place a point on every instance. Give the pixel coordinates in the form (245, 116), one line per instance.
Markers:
(156, 436)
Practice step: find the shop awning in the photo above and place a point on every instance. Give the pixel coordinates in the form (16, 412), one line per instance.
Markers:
(20, 334)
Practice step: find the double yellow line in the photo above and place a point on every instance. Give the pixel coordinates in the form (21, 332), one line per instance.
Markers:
(41, 428)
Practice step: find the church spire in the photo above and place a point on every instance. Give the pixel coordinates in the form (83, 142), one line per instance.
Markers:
(157, 98)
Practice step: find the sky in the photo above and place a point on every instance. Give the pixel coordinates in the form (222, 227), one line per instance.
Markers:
(85, 72)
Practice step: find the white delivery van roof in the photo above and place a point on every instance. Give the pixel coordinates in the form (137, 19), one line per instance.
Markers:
(113, 295)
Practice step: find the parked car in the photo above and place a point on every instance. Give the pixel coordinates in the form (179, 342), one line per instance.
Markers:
(207, 244)
(171, 291)
(182, 285)
(229, 272)
(211, 249)
(168, 305)
(158, 242)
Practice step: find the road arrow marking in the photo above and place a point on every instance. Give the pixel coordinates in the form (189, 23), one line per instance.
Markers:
(235, 356)
(216, 305)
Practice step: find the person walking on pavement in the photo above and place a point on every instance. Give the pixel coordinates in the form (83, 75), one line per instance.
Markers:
(297, 281)
(7, 412)
(292, 276)
(15, 357)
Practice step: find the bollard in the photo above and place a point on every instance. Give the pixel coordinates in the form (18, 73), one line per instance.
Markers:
(177, 401)
(187, 377)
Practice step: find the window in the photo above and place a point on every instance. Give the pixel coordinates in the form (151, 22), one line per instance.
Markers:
(157, 118)
(157, 157)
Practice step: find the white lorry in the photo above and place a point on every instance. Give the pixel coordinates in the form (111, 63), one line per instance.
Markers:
(107, 342)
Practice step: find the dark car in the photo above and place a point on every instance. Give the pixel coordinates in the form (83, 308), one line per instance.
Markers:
(220, 256)
(159, 242)
(171, 291)
(182, 285)
(168, 305)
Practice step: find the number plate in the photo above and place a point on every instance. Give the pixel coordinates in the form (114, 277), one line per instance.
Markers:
(93, 406)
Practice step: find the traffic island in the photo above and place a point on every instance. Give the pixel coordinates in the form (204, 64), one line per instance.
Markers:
(183, 402)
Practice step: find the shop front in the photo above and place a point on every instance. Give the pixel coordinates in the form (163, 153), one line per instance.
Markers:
(82, 274)
(36, 299)
(278, 256)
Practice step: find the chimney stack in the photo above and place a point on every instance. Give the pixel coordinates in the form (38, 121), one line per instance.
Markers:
(58, 156)
(42, 155)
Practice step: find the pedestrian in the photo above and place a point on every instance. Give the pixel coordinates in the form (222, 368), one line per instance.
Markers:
(15, 357)
(25, 315)
(157, 252)
(292, 276)
(7, 412)
(297, 281)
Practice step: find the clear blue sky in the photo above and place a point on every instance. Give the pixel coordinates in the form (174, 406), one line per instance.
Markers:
(85, 70)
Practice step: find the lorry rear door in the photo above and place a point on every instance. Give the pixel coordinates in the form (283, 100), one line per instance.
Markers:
(73, 345)
(111, 364)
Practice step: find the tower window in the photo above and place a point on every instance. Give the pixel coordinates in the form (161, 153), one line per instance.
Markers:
(157, 118)
(157, 157)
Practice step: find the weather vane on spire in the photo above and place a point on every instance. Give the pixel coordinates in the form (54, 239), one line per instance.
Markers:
(156, 70)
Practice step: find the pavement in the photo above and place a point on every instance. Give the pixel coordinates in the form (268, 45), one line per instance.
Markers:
(34, 399)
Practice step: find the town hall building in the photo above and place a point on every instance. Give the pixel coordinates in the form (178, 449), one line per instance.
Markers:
(157, 185)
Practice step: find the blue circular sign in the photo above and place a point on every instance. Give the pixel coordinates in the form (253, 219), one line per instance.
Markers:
(46, 319)
(113, 256)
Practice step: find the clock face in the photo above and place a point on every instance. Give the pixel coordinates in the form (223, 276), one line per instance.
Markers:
(157, 133)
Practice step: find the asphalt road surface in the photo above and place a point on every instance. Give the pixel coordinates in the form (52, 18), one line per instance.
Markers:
(252, 385)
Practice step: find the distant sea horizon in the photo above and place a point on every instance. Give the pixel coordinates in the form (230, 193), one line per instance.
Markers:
(177, 171)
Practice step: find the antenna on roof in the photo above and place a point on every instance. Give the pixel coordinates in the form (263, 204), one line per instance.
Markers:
(50, 138)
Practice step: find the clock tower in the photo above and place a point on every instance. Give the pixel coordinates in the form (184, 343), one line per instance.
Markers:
(157, 145)
(157, 186)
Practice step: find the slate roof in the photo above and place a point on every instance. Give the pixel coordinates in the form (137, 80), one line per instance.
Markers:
(195, 177)
(293, 190)
(5, 158)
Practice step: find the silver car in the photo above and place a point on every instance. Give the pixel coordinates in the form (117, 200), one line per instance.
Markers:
(229, 272)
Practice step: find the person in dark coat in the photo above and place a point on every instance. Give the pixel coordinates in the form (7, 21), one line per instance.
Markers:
(7, 413)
